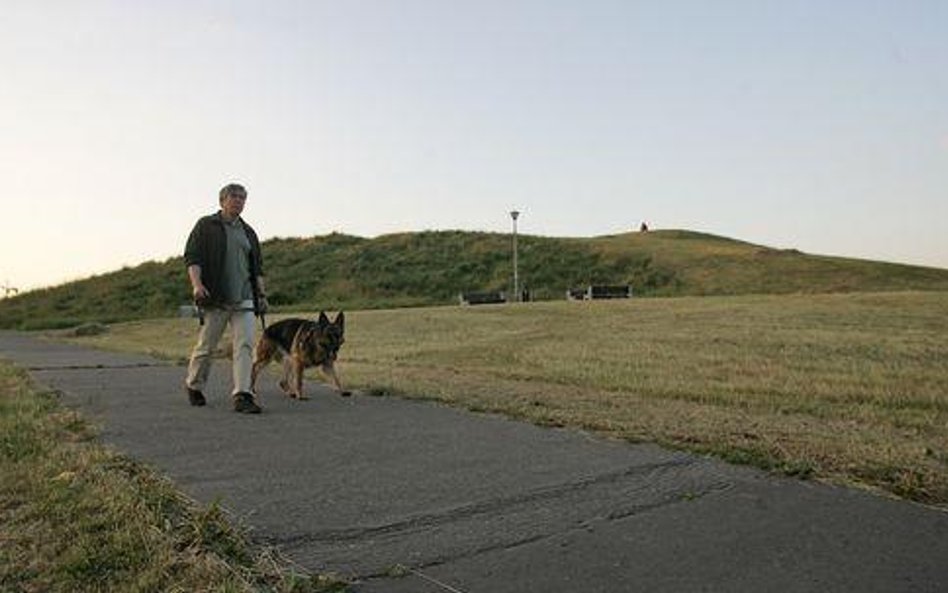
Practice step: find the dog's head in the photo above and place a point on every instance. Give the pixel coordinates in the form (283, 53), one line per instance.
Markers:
(330, 335)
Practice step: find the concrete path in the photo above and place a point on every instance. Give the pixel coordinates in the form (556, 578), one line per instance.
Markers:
(412, 497)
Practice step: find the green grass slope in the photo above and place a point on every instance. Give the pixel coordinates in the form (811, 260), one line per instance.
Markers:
(430, 268)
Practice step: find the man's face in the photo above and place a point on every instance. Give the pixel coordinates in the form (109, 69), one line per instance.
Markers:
(232, 205)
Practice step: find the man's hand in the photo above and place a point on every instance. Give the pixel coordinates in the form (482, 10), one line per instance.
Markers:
(200, 294)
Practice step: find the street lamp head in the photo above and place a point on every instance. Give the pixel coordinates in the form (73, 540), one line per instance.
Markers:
(514, 214)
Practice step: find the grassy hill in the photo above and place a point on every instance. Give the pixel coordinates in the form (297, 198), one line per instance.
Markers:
(430, 268)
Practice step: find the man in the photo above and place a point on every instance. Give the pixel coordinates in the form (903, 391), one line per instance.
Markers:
(225, 268)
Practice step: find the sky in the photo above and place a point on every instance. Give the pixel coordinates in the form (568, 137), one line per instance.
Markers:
(815, 125)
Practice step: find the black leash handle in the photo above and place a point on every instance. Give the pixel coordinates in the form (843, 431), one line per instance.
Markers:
(199, 305)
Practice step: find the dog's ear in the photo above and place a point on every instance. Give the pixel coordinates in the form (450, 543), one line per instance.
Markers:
(323, 320)
(340, 320)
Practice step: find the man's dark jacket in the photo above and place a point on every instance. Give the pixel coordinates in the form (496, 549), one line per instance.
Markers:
(207, 247)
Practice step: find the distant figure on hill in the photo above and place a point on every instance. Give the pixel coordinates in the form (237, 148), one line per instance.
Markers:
(225, 268)
(644, 227)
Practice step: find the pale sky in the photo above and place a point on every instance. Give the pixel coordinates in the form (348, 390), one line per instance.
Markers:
(820, 125)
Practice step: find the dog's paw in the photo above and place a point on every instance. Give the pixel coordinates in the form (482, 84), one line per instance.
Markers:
(345, 393)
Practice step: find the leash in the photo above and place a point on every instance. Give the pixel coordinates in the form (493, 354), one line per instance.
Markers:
(199, 305)
(257, 298)
(258, 309)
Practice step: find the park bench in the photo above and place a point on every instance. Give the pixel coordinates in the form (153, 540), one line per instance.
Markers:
(600, 291)
(482, 298)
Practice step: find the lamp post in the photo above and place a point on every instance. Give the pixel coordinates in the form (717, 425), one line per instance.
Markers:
(513, 215)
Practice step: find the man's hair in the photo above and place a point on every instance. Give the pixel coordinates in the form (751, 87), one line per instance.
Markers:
(230, 189)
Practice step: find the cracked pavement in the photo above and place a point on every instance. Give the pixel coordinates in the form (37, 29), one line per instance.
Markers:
(406, 496)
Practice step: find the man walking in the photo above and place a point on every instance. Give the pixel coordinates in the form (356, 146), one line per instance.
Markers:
(225, 268)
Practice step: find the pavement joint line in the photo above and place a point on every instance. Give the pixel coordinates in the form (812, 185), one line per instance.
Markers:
(486, 506)
(677, 494)
(674, 495)
(96, 367)
(672, 498)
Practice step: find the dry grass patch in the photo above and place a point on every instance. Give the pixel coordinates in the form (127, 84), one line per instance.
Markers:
(75, 516)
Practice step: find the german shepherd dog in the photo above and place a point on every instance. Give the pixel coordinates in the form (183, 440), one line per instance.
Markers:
(301, 343)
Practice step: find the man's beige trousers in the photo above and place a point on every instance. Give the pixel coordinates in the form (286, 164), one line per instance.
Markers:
(242, 330)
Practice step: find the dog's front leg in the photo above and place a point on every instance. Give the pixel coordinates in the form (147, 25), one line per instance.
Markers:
(298, 368)
(261, 358)
(330, 371)
(254, 372)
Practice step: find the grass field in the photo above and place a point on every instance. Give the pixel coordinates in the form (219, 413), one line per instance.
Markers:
(849, 388)
(77, 517)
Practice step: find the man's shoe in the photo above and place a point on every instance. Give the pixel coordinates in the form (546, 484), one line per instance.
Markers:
(243, 403)
(196, 397)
